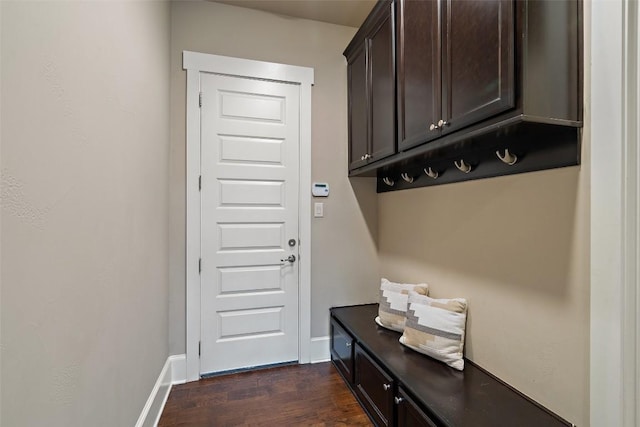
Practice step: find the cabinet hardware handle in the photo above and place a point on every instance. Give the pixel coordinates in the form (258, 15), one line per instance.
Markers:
(462, 166)
(361, 157)
(442, 123)
(431, 173)
(348, 344)
(433, 127)
(386, 387)
(508, 158)
(398, 400)
(388, 181)
(407, 178)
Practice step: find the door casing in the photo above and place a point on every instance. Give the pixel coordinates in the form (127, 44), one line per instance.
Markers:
(195, 63)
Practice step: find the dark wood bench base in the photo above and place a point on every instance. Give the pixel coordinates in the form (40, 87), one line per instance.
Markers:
(400, 387)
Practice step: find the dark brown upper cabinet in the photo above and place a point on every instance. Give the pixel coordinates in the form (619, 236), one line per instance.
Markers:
(455, 65)
(371, 79)
(476, 78)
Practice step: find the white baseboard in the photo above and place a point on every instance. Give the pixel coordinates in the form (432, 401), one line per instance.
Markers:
(320, 351)
(178, 369)
(174, 371)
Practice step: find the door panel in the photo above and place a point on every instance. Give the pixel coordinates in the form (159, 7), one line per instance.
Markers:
(358, 110)
(237, 193)
(247, 150)
(382, 102)
(236, 280)
(478, 78)
(249, 202)
(419, 77)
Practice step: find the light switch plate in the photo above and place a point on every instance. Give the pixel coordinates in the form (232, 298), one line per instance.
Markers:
(318, 210)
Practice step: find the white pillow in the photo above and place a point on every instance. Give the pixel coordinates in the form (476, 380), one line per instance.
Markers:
(393, 303)
(436, 327)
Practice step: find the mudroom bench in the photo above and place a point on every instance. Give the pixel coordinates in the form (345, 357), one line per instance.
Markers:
(397, 386)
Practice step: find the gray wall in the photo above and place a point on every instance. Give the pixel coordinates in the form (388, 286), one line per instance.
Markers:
(85, 167)
(344, 267)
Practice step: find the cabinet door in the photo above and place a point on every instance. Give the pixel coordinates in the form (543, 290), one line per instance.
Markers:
(358, 107)
(342, 351)
(374, 388)
(419, 78)
(478, 68)
(382, 87)
(409, 414)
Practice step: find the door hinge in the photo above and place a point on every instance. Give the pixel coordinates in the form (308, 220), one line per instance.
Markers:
(199, 265)
(200, 99)
(199, 348)
(200, 183)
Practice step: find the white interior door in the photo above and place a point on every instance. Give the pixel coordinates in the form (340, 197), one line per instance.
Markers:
(249, 202)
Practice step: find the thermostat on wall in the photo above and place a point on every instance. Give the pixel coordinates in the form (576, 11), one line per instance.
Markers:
(320, 189)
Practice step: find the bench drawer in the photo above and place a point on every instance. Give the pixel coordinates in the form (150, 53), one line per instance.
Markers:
(375, 388)
(342, 350)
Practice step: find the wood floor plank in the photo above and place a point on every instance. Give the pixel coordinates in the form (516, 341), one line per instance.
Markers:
(295, 395)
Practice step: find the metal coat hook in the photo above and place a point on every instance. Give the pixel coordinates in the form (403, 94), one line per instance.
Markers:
(431, 173)
(407, 178)
(388, 181)
(508, 157)
(462, 167)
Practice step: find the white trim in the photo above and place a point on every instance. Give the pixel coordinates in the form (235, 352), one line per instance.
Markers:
(304, 222)
(320, 351)
(195, 63)
(193, 226)
(203, 62)
(173, 372)
(615, 238)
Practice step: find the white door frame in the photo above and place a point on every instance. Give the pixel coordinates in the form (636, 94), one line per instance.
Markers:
(615, 210)
(195, 63)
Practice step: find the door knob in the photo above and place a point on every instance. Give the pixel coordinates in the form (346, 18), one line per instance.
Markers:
(398, 400)
(433, 127)
(442, 123)
(290, 258)
(386, 386)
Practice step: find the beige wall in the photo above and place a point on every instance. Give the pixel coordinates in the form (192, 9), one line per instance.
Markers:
(85, 166)
(344, 265)
(518, 249)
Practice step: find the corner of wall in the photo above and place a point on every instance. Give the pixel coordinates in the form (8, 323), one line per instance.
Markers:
(173, 372)
(1, 346)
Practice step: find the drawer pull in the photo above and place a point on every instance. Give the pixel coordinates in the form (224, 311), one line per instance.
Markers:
(398, 400)
(348, 344)
(386, 386)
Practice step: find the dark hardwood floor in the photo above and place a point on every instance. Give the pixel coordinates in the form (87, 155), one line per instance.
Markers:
(295, 395)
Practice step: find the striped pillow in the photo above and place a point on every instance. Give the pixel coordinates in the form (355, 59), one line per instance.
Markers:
(393, 303)
(435, 327)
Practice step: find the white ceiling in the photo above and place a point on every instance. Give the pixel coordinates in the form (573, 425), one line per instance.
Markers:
(342, 12)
